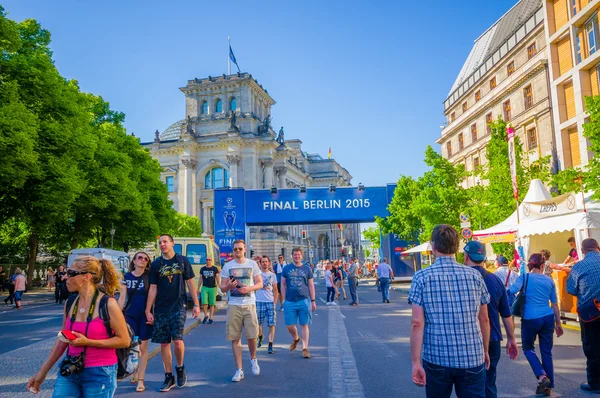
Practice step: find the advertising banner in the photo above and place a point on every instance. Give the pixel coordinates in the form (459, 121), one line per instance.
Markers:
(316, 205)
(563, 204)
(505, 237)
(230, 219)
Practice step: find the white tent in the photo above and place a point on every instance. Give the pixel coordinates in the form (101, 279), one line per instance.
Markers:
(423, 247)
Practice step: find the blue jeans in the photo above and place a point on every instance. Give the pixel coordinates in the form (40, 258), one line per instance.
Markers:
(384, 283)
(330, 294)
(544, 328)
(468, 383)
(495, 350)
(93, 382)
(352, 284)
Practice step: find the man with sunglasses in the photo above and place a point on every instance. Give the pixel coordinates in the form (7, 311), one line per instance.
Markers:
(278, 269)
(266, 299)
(207, 286)
(169, 274)
(241, 278)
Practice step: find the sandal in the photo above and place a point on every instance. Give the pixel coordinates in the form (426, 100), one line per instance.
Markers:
(140, 388)
(133, 380)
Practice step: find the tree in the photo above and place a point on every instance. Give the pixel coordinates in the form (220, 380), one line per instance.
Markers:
(184, 226)
(373, 234)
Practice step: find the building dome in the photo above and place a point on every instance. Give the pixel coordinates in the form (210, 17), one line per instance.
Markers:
(173, 131)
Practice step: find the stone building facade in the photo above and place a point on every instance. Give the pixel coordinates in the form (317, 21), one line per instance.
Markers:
(507, 75)
(226, 140)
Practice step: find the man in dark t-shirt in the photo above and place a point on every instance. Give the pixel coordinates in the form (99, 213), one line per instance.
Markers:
(207, 286)
(169, 274)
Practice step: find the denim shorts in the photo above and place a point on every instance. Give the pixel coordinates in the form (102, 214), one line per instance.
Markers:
(168, 327)
(17, 295)
(95, 381)
(297, 312)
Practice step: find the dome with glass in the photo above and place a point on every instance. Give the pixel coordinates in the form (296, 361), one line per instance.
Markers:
(173, 131)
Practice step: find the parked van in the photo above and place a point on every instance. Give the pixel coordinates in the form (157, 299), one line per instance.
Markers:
(119, 259)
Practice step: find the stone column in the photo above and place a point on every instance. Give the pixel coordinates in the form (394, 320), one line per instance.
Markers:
(267, 169)
(189, 181)
(280, 171)
(234, 161)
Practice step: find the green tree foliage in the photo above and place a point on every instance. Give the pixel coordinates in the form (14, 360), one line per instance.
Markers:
(373, 235)
(183, 225)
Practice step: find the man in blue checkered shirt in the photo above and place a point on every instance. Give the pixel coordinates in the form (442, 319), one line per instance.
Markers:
(584, 282)
(450, 328)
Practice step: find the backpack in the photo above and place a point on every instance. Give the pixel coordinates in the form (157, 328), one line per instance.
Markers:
(127, 358)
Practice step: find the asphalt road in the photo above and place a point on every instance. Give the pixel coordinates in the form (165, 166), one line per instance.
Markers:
(356, 352)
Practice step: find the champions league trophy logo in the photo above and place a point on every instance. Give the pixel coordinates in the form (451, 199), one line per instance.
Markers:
(229, 219)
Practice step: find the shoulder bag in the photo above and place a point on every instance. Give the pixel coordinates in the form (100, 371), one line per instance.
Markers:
(518, 306)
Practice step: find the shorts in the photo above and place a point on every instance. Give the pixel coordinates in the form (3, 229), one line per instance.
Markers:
(297, 312)
(168, 327)
(265, 311)
(139, 325)
(241, 316)
(17, 295)
(208, 295)
(279, 287)
(94, 381)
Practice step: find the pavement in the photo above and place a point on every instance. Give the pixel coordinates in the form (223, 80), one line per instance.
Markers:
(357, 352)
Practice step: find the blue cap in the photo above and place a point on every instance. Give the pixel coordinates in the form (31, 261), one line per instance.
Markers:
(502, 260)
(475, 250)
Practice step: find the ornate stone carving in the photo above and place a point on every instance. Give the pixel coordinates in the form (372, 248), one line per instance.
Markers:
(188, 126)
(280, 138)
(291, 184)
(266, 162)
(232, 122)
(156, 137)
(189, 163)
(233, 158)
(280, 170)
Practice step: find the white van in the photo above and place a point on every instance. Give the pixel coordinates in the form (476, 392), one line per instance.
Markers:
(119, 259)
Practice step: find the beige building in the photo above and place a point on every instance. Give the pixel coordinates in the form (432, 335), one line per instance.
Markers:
(572, 34)
(506, 74)
(226, 140)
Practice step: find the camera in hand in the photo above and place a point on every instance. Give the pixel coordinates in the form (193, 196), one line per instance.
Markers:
(71, 365)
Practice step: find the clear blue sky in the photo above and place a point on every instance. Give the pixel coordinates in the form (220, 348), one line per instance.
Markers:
(366, 78)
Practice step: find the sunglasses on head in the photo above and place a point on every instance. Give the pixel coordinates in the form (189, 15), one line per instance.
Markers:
(238, 249)
(72, 273)
(140, 257)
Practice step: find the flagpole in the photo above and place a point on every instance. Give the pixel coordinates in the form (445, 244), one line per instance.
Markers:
(228, 57)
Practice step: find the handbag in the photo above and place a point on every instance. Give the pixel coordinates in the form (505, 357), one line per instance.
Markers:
(518, 306)
(589, 311)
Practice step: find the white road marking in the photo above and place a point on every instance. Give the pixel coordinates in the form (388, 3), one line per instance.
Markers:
(324, 302)
(26, 321)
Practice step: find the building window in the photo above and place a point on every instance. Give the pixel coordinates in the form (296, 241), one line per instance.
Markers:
(219, 106)
(474, 132)
(464, 107)
(506, 109)
(449, 148)
(493, 82)
(578, 46)
(170, 182)
(453, 116)
(574, 6)
(591, 29)
(204, 110)
(477, 95)
(528, 94)
(531, 138)
(216, 178)
(475, 163)
(211, 222)
(488, 122)
(232, 104)
(461, 142)
(510, 68)
(531, 51)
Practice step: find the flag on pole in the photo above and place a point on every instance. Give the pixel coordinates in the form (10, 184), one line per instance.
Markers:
(329, 153)
(512, 158)
(232, 58)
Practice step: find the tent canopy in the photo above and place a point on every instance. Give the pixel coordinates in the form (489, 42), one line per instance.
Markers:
(423, 247)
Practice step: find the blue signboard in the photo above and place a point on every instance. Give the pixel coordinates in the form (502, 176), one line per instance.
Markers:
(316, 205)
(230, 218)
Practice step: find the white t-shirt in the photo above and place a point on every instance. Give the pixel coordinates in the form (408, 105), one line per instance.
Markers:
(244, 275)
(265, 295)
(328, 279)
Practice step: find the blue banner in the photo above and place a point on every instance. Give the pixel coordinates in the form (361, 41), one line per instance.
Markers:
(316, 205)
(230, 219)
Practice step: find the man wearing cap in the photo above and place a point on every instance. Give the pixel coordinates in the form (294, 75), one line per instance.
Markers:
(584, 282)
(450, 328)
(506, 275)
(474, 257)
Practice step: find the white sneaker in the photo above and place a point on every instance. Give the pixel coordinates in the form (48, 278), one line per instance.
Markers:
(239, 375)
(255, 367)
(328, 303)
(333, 303)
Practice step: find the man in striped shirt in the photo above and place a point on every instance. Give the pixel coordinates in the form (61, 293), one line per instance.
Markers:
(450, 329)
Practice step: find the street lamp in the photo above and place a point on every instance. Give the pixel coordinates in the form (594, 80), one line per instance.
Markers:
(112, 235)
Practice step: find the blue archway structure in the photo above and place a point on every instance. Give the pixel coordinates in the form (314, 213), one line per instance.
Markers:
(237, 208)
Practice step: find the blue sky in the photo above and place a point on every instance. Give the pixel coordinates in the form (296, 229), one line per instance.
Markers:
(366, 78)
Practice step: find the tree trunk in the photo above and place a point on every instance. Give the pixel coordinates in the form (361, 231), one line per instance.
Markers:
(74, 243)
(31, 256)
(126, 247)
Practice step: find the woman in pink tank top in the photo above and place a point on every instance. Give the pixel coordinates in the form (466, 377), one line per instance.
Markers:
(92, 348)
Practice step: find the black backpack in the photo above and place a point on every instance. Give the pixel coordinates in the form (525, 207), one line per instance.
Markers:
(122, 353)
